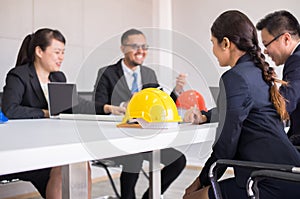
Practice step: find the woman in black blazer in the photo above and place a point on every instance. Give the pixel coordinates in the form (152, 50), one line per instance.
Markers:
(38, 63)
(250, 113)
(25, 96)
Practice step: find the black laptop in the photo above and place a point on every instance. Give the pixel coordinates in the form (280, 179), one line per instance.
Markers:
(63, 97)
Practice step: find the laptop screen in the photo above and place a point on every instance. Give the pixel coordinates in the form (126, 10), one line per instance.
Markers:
(62, 97)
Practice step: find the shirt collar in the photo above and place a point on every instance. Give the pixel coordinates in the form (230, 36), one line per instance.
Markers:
(127, 70)
(295, 48)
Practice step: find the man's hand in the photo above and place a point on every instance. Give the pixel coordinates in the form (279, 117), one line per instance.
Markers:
(180, 83)
(115, 110)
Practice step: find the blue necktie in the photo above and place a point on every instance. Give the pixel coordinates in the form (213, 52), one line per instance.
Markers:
(134, 87)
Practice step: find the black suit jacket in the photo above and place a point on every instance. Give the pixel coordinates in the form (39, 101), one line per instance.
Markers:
(23, 96)
(249, 126)
(291, 74)
(111, 86)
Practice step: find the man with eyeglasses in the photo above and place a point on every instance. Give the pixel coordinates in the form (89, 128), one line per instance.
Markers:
(280, 33)
(114, 87)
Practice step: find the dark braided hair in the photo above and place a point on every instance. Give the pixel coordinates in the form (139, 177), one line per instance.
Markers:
(238, 28)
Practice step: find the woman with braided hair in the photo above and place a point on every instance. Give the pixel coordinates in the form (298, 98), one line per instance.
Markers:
(250, 111)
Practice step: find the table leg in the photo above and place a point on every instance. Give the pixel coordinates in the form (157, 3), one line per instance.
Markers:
(75, 181)
(155, 178)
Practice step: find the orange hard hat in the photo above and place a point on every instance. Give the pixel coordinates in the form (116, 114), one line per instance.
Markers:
(191, 98)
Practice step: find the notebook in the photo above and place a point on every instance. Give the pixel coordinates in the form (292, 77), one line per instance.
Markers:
(64, 96)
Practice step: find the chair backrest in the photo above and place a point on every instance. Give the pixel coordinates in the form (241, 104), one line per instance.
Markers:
(214, 92)
(87, 95)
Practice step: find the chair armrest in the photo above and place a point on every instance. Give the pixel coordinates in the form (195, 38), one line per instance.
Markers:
(258, 175)
(249, 164)
(275, 175)
(221, 163)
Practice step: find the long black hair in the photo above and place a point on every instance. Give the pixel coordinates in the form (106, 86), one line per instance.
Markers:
(41, 38)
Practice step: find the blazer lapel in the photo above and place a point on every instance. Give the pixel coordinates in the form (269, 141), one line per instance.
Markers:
(148, 81)
(122, 81)
(145, 78)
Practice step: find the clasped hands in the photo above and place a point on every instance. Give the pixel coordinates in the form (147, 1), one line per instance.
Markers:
(194, 115)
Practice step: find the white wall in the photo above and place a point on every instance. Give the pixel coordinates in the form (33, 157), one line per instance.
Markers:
(86, 25)
(93, 29)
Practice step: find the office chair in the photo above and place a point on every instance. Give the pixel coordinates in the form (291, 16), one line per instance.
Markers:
(105, 163)
(257, 166)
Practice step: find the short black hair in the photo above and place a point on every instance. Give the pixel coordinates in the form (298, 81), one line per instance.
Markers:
(279, 22)
(130, 32)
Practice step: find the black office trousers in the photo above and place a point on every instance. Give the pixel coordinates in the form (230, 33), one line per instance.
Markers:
(173, 160)
(268, 189)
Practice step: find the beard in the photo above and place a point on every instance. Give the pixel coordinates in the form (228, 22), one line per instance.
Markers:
(134, 63)
(131, 61)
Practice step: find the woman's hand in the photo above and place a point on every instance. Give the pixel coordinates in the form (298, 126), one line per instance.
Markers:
(46, 113)
(194, 116)
(195, 186)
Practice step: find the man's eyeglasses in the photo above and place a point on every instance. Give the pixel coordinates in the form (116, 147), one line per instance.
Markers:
(274, 39)
(136, 46)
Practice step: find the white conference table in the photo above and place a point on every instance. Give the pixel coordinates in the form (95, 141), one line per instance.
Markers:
(33, 144)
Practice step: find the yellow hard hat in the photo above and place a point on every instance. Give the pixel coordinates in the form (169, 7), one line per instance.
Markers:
(152, 105)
